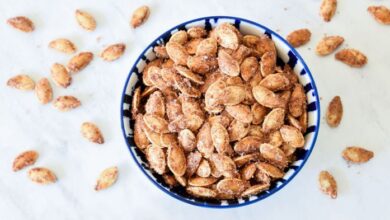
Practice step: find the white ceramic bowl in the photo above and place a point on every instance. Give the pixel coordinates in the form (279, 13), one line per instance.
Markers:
(286, 53)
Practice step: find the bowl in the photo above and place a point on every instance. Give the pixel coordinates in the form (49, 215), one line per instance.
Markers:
(286, 53)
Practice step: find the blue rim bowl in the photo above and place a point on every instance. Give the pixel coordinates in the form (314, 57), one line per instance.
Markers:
(286, 55)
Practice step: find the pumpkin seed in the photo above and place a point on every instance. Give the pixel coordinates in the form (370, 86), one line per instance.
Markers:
(193, 161)
(21, 23)
(248, 144)
(202, 181)
(351, 57)
(328, 44)
(140, 138)
(187, 140)
(63, 45)
(201, 192)
(155, 123)
(357, 154)
(299, 37)
(60, 75)
(232, 186)
(270, 170)
(266, 97)
(44, 91)
(275, 82)
(328, 9)
(273, 154)
(328, 184)
(227, 64)
(176, 160)
(255, 189)
(42, 175)
(156, 158)
(380, 13)
(220, 138)
(238, 130)
(140, 15)
(21, 82)
(292, 136)
(25, 159)
(228, 36)
(107, 178)
(91, 132)
(85, 20)
(204, 169)
(274, 120)
(334, 112)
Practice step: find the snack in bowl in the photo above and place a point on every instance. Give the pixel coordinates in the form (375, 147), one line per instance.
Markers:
(218, 117)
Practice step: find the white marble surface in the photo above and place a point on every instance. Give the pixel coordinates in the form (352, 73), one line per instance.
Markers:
(25, 124)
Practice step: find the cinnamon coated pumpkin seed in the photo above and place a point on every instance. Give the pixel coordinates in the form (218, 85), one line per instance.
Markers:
(79, 62)
(63, 45)
(328, 184)
(299, 37)
(21, 82)
(351, 57)
(140, 15)
(107, 178)
(66, 103)
(248, 171)
(274, 120)
(334, 112)
(220, 138)
(328, 44)
(187, 140)
(238, 130)
(85, 20)
(113, 52)
(292, 136)
(176, 160)
(357, 154)
(227, 64)
(201, 192)
(270, 170)
(44, 91)
(193, 160)
(266, 97)
(196, 32)
(232, 186)
(273, 154)
(204, 169)
(140, 138)
(25, 159)
(228, 36)
(328, 9)
(42, 175)
(380, 13)
(249, 144)
(202, 181)
(255, 189)
(179, 37)
(21, 23)
(91, 132)
(156, 158)
(177, 53)
(268, 63)
(60, 75)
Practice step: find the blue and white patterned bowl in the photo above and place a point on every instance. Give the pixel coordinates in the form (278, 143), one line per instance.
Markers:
(287, 54)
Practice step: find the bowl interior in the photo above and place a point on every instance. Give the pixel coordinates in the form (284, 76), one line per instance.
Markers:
(286, 55)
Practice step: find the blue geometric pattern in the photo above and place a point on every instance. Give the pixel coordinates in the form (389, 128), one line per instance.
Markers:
(286, 54)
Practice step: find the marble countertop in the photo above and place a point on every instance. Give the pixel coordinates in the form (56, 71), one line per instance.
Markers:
(25, 124)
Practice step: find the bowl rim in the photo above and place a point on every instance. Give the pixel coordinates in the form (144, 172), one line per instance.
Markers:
(276, 189)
